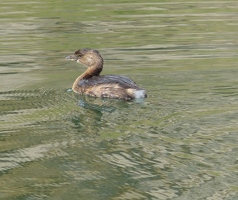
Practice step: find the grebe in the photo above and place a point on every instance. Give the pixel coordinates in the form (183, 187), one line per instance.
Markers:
(110, 86)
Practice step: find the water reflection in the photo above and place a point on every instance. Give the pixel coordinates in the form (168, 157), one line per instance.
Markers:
(101, 106)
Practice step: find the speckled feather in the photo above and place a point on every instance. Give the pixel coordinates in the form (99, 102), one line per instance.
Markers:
(111, 86)
(108, 79)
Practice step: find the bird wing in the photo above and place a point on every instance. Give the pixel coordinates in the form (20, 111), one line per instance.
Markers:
(122, 81)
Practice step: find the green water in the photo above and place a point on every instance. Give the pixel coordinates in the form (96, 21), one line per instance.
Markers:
(180, 143)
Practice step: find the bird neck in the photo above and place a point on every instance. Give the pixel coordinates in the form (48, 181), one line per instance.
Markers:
(90, 72)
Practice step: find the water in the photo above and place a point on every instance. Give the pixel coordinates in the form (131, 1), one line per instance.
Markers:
(180, 143)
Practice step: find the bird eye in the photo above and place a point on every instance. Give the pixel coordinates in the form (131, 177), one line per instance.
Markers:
(78, 53)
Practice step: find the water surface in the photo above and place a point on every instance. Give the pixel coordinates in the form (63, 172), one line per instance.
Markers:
(180, 143)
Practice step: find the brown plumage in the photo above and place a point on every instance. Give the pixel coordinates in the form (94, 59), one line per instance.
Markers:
(110, 86)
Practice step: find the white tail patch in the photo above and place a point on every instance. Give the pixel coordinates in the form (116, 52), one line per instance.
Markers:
(137, 93)
(140, 94)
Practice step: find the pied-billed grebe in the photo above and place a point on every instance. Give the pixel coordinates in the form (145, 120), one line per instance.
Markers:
(110, 86)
